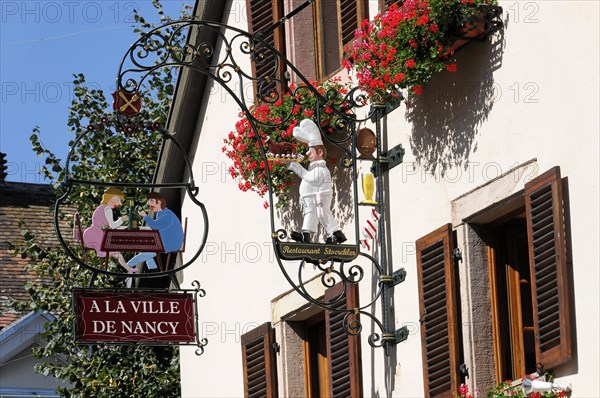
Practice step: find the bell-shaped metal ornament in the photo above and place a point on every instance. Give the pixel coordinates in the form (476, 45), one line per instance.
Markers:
(366, 142)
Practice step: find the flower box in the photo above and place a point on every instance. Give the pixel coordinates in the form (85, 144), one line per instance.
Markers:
(468, 32)
(405, 46)
(530, 386)
(484, 21)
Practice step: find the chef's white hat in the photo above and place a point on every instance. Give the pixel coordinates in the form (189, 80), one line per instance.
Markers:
(308, 132)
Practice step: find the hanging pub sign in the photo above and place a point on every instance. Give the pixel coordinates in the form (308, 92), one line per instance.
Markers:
(130, 234)
(109, 316)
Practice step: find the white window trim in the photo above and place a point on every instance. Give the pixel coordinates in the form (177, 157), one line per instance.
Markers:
(489, 201)
(289, 307)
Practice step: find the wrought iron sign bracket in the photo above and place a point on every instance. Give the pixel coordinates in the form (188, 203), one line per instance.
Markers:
(380, 110)
(401, 334)
(397, 337)
(395, 279)
(398, 277)
(333, 112)
(388, 160)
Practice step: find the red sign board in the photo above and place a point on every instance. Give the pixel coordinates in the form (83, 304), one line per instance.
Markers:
(122, 317)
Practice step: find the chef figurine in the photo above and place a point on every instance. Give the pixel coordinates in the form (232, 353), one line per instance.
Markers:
(316, 187)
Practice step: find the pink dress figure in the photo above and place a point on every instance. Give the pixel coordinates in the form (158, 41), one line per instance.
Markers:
(102, 219)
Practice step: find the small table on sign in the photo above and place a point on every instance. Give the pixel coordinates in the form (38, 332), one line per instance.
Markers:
(132, 240)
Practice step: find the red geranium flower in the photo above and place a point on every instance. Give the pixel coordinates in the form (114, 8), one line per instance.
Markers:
(275, 120)
(412, 40)
(451, 67)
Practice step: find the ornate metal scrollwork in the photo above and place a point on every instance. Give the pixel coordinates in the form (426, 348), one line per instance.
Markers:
(339, 110)
(201, 342)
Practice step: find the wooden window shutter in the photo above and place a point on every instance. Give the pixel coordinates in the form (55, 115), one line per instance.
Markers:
(437, 305)
(352, 13)
(258, 358)
(548, 265)
(343, 350)
(261, 15)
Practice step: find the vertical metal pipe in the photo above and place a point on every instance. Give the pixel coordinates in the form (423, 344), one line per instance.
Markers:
(355, 179)
(379, 112)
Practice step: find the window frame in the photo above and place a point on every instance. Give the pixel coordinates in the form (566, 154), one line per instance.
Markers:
(507, 294)
(317, 27)
(545, 202)
(494, 203)
(320, 37)
(292, 324)
(314, 330)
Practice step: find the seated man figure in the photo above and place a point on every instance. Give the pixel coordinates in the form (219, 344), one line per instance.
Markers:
(168, 226)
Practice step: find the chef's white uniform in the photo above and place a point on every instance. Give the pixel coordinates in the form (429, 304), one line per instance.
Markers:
(316, 193)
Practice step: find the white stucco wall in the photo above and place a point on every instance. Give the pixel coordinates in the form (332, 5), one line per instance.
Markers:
(543, 105)
(538, 100)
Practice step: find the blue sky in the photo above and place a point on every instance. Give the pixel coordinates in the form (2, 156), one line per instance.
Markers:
(42, 44)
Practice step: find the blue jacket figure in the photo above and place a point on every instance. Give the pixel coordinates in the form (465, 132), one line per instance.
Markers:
(168, 226)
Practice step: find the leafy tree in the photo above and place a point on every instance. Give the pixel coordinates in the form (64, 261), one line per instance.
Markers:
(102, 154)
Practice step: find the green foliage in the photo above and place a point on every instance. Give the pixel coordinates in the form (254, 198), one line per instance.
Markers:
(101, 154)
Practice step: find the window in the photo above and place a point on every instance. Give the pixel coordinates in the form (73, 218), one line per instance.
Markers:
(330, 359)
(510, 282)
(262, 14)
(316, 357)
(316, 38)
(529, 281)
(334, 27)
(524, 240)
(318, 34)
